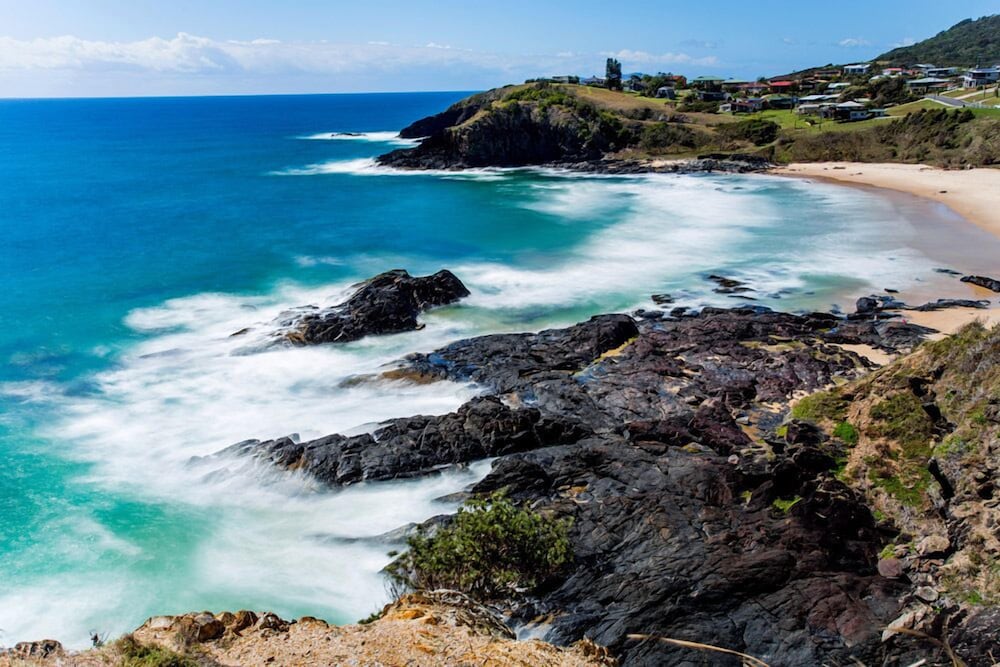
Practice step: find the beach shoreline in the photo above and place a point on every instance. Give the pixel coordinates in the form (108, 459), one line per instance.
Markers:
(974, 194)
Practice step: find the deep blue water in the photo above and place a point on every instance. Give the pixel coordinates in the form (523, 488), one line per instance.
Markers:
(137, 234)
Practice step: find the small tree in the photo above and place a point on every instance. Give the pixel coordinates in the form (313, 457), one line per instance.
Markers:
(613, 74)
(490, 549)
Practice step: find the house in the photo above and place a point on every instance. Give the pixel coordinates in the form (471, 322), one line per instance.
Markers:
(706, 83)
(753, 88)
(941, 72)
(751, 105)
(733, 85)
(984, 76)
(564, 79)
(782, 86)
(892, 71)
(924, 67)
(712, 95)
(847, 112)
(837, 87)
(927, 84)
(780, 102)
(594, 81)
(855, 70)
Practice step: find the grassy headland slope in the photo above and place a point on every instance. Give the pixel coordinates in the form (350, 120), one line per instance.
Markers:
(965, 43)
(543, 123)
(924, 446)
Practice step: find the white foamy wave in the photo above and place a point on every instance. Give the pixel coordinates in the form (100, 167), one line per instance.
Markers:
(186, 391)
(668, 232)
(370, 167)
(373, 137)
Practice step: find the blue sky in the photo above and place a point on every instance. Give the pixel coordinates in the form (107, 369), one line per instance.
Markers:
(140, 47)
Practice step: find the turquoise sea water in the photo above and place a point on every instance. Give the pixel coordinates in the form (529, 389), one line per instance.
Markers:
(137, 234)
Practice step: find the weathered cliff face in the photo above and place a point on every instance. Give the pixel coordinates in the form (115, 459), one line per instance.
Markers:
(426, 629)
(508, 128)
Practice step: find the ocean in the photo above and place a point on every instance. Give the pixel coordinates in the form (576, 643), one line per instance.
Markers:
(136, 235)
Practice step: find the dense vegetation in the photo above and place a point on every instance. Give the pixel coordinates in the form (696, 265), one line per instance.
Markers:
(755, 130)
(491, 549)
(941, 137)
(965, 43)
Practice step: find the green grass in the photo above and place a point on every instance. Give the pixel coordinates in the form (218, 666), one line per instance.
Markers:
(846, 432)
(910, 107)
(824, 405)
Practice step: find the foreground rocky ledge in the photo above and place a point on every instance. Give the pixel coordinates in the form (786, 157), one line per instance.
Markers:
(426, 629)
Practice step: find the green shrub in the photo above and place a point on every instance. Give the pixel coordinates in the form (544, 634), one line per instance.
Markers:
(756, 130)
(846, 432)
(135, 654)
(491, 549)
(665, 137)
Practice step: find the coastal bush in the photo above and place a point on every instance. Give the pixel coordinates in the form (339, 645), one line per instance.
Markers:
(670, 137)
(492, 548)
(134, 654)
(823, 405)
(755, 130)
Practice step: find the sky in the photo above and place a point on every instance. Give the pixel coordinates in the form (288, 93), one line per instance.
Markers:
(97, 48)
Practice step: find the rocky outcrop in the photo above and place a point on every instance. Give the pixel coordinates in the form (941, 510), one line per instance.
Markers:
(416, 446)
(514, 134)
(388, 303)
(422, 630)
(982, 281)
(691, 518)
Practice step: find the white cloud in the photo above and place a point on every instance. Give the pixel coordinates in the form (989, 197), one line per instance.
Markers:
(853, 42)
(70, 65)
(645, 58)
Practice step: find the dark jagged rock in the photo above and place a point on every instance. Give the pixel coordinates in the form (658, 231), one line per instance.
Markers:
(662, 299)
(691, 519)
(414, 446)
(982, 281)
(729, 285)
(942, 304)
(678, 542)
(388, 303)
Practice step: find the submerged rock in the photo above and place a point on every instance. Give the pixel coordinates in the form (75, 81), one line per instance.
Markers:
(388, 303)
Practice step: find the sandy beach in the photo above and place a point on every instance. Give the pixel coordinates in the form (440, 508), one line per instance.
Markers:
(972, 193)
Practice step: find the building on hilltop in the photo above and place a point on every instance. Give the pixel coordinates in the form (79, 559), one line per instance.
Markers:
(854, 70)
(981, 76)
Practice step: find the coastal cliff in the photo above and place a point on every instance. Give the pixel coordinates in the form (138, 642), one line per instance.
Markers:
(573, 126)
(562, 125)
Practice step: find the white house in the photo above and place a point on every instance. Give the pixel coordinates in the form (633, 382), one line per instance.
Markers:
(985, 76)
(860, 68)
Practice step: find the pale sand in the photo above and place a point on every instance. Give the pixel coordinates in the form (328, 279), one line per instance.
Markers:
(972, 193)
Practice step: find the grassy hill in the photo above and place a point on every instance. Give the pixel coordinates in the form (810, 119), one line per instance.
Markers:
(543, 123)
(963, 44)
